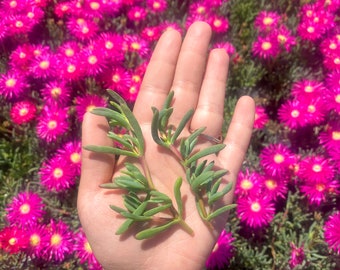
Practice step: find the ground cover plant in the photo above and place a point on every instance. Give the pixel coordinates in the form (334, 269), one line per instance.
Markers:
(57, 58)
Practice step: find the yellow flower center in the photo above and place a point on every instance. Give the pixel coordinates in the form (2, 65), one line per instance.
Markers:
(337, 61)
(246, 184)
(268, 21)
(311, 109)
(25, 208)
(52, 124)
(115, 78)
(255, 207)
(332, 46)
(217, 23)
(278, 158)
(309, 89)
(295, 113)
(55, 92)
(310, 29)
(34, 240)
(282, 38)
(87, 247)
(69, 52)
(266, 46)
(337, 98)
(30, 15)
(55, 240)
(200, 10)
(94, 5)
(13, 4)
(136, 78)
(271, 184)
(92, 59)
(44, 64)
(317, 168)
(58, 173)
(156, 5)
(11, 82)
(85, 30)
(22, 55)
(90, 108)
(320, 187)
(75, 157)
(109, 45)
(336, 135)
(19, 24)
(133, 90)
(80, 21)
(13, 241)
(23, 111)
(136, 46)
(71, 68)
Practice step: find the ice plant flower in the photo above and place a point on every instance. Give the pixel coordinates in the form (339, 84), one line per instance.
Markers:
(57, 174)
(275, 187)
(297, 255)
(13, 84)
(25, 209)
(37, 241)
(52, 123)
(222, 252)
(84, 251)
(71, 151)
(60, 241)
(308, 89)
(261, 117)
(13, 239)
(87, 103)
(276, 159)
(316, 168)
(248, 183)
(157, 6)
(267, 20)
(56, 93)
(332, 232)
(255, 211)
(265, 47)
(292, 114)
(23, 112)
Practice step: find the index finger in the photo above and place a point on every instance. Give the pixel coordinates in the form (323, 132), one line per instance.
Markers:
(159, 75)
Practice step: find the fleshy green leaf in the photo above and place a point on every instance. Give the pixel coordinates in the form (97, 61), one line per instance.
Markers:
(205, 152)
(111, 114)
(181, 125)
(151, 232)
(220, 211)
(110, 150)
(157, 209)
(116, 97)
(178, 196)
(218, 195)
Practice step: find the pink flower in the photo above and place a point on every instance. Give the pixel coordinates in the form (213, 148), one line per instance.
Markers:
(23, 112)
(52, 123)
(13, 239)
(284, 38)
(275, 187)
(82, 28)
(248, 183)
(26, 208)
(135, 44)
(265, 47)
(332, 232)
(222, 252)
(119, 79)
(316, 110)
(330, 137)
(317, 191)
(37, 241)
(267, 20)
(276, 159)
(57, 174)
(218, 24)
(261, 117)
(316, 168)
(307, 88)
(87, 103)
(94, 60)
(292, 114)
(297, 255)
(137, 14)
(71, 152)
(111, 46)
(60, 241)
(13, 84)
(229, 48)
(333, 79)
(56, 93)
(255, 211)
(151, 33)
(21, 57)
(44, 66)
(157, 6)
(84, 252)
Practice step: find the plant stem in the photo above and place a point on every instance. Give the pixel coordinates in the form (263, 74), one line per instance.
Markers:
(147, 173)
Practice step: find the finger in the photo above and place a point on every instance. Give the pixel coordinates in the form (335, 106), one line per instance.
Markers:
(210, 107)
(238, 137)
(159, 75)
(97, 168)
(190, 68)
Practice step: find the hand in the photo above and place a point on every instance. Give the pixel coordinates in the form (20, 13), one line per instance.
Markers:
(198, 80)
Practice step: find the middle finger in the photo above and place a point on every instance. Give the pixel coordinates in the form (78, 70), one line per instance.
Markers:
(190, 69)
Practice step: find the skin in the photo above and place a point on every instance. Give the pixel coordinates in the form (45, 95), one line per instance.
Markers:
(198, 78)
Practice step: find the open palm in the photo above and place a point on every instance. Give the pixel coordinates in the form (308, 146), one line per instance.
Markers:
(198, 80)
